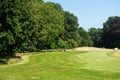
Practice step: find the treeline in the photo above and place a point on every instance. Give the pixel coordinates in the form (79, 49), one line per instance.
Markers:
(109, 35)
(32, 25)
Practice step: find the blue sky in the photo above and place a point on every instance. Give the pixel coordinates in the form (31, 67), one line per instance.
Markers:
(91, 13)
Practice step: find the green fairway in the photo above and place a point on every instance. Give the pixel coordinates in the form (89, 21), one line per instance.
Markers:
(71, 65)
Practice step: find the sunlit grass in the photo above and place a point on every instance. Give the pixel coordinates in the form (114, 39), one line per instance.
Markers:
(72, 65)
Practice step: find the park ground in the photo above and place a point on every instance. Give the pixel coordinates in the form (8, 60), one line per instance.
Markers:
(86, 63)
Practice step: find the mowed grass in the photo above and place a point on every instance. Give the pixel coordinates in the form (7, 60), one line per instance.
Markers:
(70, 65)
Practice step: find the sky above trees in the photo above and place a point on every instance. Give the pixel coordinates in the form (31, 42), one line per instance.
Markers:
(91, 13)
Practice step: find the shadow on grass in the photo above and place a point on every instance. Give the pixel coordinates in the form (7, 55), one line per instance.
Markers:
(3, 61)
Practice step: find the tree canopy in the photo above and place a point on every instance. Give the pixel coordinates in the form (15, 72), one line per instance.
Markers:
(32, 25)
(96, 35)
(111, 32)
(109, 35)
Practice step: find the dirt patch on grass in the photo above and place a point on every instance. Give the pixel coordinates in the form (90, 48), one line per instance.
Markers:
(116, 53)
(13, 60)
(17, 58)
(91, 49)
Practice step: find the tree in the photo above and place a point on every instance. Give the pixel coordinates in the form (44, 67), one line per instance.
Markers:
(85, 38)
(9, 25)
(16, 27)
(111, 29)
(51, 24)
(96, 36)
(30, 25)
(71, 27)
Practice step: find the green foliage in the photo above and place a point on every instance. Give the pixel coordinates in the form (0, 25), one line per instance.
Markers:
(9, 20)
(111, 32)
(85, 38)
(6, 43)
(96, 36)
(52, 26)
(31, 25)
(109, 36)
(61, 43)
(71, 44)
(71, 35)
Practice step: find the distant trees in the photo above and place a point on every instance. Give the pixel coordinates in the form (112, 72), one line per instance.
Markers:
(109, 36)
(96, 36)
(111, 32)
(73, 35)
(85, 38)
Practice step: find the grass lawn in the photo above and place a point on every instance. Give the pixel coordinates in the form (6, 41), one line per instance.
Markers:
(71, 65)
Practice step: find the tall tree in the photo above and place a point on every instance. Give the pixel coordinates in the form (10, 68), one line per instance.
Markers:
(16, 26)
(71, 27)
(111, 29)
(9, 25)
(50, 25)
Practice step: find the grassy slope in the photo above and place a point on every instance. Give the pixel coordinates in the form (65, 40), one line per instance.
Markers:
(101, 61)
(73, 65)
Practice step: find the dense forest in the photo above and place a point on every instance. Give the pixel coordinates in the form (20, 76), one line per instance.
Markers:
(33, 25)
